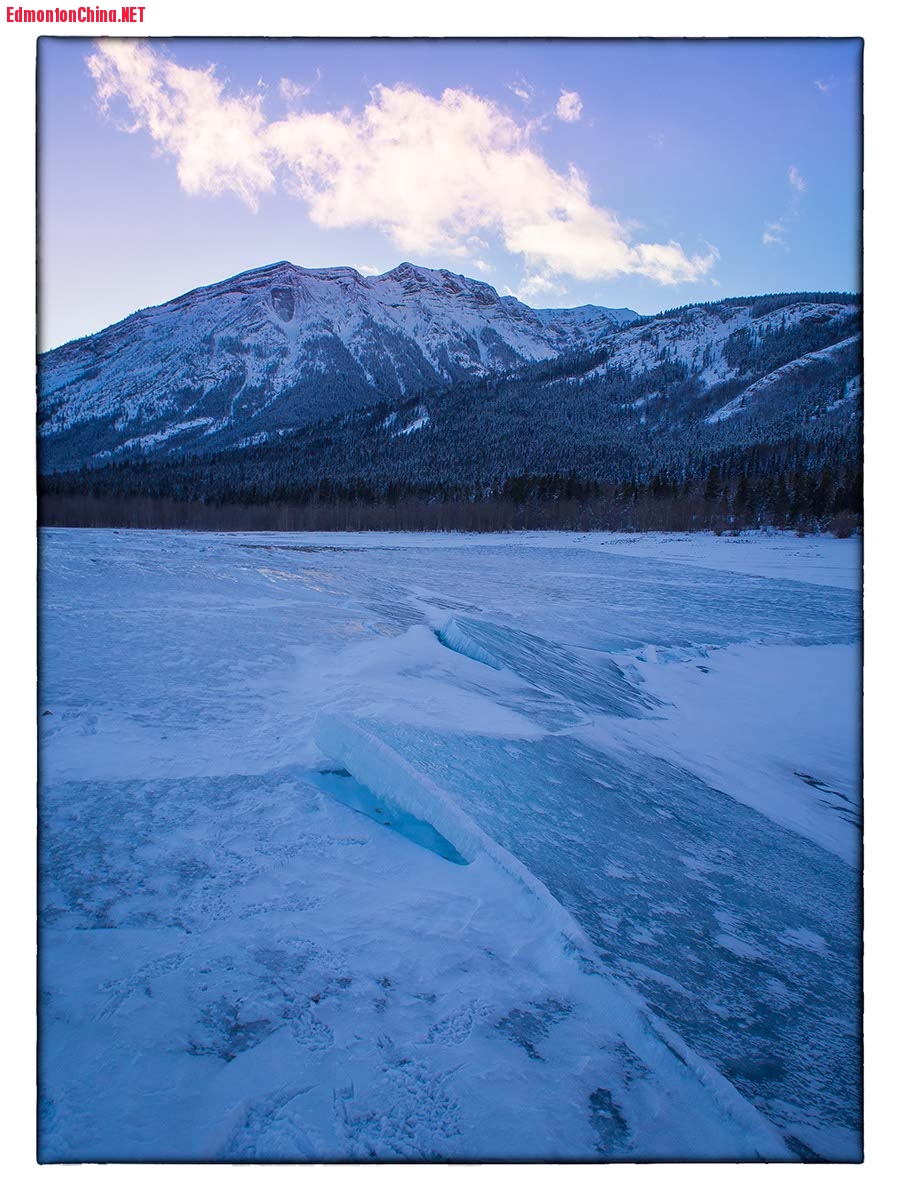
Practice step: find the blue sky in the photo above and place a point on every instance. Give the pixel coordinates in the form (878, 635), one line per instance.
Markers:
(641, 174)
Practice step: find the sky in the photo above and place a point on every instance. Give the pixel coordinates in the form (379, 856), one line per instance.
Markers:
(641, 174)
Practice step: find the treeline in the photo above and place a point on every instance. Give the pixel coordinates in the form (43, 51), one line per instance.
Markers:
(760, 306)
(802, 500)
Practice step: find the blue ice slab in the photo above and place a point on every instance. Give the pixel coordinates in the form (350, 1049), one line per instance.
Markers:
(740, 934)
(339, 783)
(592, 681)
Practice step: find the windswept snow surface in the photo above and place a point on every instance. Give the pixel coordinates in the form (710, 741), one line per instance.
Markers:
(423, 847)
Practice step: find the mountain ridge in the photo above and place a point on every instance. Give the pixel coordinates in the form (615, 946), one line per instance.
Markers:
(286, 381)
(281, 346)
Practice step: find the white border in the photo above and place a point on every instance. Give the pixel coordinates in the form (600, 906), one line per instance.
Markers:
(462, 18)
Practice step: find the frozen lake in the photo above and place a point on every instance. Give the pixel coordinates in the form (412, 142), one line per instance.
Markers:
(455, 847)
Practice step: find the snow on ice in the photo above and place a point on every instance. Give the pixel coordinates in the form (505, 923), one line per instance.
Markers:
(448, 847)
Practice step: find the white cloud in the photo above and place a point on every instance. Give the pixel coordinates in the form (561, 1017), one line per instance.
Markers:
(522, 89)
(436, 175)
(218, 142)
(290, 90)
(568, 106)
(796, 180)
(773, 234)
(533, 286)
(824, 85)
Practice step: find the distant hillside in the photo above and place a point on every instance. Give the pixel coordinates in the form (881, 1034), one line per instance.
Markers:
(430, 387)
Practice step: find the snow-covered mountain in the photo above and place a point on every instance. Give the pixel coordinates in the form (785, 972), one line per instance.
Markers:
(280, 359)
(277, 348)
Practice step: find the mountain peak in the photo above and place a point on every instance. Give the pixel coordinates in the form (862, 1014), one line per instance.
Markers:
(279, 346)
(413, 280)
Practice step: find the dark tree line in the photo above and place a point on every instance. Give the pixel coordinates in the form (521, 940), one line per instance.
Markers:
(799, 499)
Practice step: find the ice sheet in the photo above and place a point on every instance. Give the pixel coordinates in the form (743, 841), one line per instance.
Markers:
(607, 909)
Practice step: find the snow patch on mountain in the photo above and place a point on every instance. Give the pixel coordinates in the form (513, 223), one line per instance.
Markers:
(734, 406)
(420, 419)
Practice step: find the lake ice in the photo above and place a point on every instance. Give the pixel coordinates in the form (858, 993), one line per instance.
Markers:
(448, 847)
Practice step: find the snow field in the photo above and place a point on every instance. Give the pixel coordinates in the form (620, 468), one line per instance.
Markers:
(645, 946)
